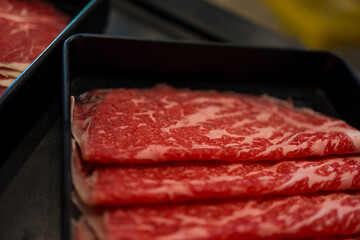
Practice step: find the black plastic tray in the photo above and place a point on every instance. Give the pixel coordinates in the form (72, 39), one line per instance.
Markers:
(25, 101)
(313, 79)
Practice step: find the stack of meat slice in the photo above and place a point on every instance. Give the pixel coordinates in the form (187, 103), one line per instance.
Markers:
(166, 163)
(27, 28)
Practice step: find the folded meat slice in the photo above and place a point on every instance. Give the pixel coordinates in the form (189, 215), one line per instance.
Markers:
(335, 214)
(163, 123)
(127, 184)
(82, 231)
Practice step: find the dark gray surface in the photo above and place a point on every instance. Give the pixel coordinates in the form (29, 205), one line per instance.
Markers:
(30, 203)
(217, 24)
(29, 206)
(131, 20)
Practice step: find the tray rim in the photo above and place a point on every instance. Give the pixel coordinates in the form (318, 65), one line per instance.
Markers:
(328, 53)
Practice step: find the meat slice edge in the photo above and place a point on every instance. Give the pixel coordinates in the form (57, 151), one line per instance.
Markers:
(82, 231)
(93, 217)
(86, 107)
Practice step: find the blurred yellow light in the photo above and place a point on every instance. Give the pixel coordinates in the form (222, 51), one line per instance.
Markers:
(320, 23)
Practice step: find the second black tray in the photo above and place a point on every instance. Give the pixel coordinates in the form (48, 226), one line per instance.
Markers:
(24, 102)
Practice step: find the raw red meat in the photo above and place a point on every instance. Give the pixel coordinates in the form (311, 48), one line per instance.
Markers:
(26, 28)
(83, 232)
(263, 218)
(99, 184)
(163, 123)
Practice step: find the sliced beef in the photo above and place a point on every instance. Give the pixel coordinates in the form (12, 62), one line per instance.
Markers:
(163, 124)
(168, 146)
(113, 184)
(321, 215)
